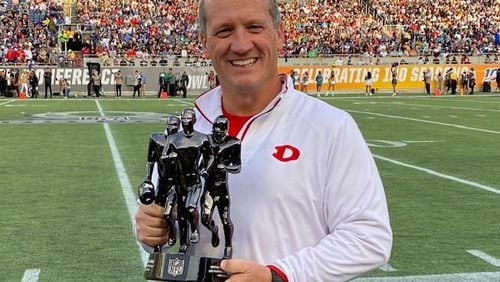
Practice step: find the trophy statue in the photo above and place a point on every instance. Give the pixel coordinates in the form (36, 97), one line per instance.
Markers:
(188, 156)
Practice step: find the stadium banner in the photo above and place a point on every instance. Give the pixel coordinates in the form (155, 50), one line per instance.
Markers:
(78, 78)
(410, 77)
(348, 78)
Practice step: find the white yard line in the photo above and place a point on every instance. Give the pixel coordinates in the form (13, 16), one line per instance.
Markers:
(484, 256)
(7, 102)
(130, 197)
(31, 275)
(452, 277)
(435, 107)
(427, 121)
(438, 174)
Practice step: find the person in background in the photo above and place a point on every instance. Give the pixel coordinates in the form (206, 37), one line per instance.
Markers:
(471, 78)
(47, 80)
(118, 84)
(394, 77)
(368, 83)
(440, 82)
(15, 82)
(184, 82)
(427, 82)
(66, 88)
(331, 84)
(305, 82)
(23, 81)
(96, 83)
(142, 89)
(453, 81)
(447, 80)
(33, 82)
(172, 86)
(137, 84)
(319, 195)
(319, 83)
(3, 84)
(464, 82)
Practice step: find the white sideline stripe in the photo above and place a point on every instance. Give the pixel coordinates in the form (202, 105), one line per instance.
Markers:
(31, 275)
(438, 174)
(484, 256)
(427, 121)
(435, 107)
(387, 268)
(130, 198)
(452, 277)
(7, 102)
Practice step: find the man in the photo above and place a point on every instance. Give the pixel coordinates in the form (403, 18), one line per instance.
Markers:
(192, 153)
(227, 151)
(118, 84)
(33, 82)
(453, 82)
(161, 84)
(172, 86)
(137, 84)
(164, 195)
(47, 80)
(96, 83)
(142, 88)
(471, 78)
(394, 77)
(308, 204)
(184, 84)
(427, 81)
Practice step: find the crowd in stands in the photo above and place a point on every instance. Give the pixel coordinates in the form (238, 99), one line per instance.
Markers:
(451, 26)
(116, 30)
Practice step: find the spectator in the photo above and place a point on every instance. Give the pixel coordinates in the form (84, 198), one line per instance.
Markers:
(118, 83)
(47, 80)
(368, 83)
(319, 83)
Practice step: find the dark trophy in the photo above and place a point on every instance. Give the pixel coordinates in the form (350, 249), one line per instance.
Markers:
(187, 157)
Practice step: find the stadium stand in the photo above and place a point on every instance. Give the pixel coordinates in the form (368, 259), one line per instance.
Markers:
(164, 32)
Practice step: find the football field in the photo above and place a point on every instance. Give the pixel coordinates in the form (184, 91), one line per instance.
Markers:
(69, 171)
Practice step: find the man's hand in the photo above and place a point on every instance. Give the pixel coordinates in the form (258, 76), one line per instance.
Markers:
(245, 270)
(151, 227)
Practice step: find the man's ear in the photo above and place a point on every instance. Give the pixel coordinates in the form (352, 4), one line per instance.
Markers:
(203, 39)
(281, 37)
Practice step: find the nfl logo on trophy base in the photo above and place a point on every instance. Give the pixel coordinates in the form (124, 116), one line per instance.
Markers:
(170, 267)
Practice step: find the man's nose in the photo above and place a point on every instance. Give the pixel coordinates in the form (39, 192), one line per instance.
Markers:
(241, 41)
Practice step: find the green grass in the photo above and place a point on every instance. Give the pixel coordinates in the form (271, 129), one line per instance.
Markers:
(62, 208)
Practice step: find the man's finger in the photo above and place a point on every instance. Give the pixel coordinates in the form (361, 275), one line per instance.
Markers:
(233, 265)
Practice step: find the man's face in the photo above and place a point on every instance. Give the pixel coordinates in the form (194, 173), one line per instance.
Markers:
(243, 43)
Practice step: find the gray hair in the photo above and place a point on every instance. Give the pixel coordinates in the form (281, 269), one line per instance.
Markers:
(274, 11)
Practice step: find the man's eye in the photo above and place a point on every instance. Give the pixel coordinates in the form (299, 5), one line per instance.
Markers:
(255, 28)
(223, 32)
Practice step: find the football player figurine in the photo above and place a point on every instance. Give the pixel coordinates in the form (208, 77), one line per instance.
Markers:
(165, 194)
(192, 153)
(226, 151)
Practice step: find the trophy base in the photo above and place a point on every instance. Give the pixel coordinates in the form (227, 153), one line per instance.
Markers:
(176, 267)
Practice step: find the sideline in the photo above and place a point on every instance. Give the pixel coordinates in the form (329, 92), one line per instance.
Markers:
(438, 174)
(425, 121)
(130, 198)
(452, 277)
(7, 102)
(439, 107)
